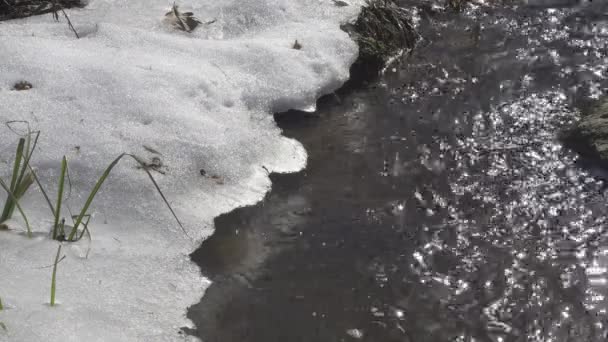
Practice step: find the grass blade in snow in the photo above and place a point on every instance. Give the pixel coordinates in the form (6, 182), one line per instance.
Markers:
(54, 277)
(100, 182)
(21, 178)
(15, 202)
(64, 165)
(9, 205)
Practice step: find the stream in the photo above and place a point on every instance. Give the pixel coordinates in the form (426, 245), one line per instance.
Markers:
(438, 203)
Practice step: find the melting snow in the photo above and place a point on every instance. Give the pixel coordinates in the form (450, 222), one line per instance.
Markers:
(202, 100)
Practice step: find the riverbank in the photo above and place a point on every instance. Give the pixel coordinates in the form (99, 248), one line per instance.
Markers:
(438, 203)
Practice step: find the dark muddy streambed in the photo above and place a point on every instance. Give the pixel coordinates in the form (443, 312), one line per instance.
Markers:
(438, 203)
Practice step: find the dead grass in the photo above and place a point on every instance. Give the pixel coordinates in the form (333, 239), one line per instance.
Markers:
(382, 30)
(14, 9)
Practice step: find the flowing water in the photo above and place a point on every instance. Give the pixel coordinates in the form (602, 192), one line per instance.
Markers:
(439, 203)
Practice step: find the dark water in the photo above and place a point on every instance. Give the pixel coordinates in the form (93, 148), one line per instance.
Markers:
(438, 203)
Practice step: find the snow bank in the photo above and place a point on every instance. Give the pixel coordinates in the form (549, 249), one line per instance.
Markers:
(201, 99)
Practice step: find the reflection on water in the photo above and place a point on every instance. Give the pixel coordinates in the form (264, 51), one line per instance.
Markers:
(517, 250)
(440, 205)
(522, 227)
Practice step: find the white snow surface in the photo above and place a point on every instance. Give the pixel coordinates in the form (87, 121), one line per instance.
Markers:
(203, 100)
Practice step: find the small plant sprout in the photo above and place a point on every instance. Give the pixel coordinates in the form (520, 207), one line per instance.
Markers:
(22, 178)
(54, 276)
(2, 323)
(81, 220)
(57, 212)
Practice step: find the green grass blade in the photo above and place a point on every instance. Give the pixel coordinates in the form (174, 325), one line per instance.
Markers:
(28, 152)
(1, 306)
(16, 203)
(85, 229)
(24, 179)
(61, 229)
(29, 149)
(92, 195)
(64, 166)
(17, 164)
(9, 204)
(54, 277)
(98, 185)
(20, 190)
(3, 326)
(24, 185)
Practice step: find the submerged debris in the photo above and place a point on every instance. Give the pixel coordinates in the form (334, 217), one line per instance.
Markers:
(455, 5)
(355, 333)
(13, 9)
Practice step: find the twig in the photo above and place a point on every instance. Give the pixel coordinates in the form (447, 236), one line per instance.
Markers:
(70, 23)
(55, 7)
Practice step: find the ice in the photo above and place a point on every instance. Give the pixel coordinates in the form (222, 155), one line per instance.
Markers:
(202, 99)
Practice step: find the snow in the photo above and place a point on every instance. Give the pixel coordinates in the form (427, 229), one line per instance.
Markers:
(202, 99)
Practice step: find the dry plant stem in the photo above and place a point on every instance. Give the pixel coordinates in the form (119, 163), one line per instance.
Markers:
(55, 7)
(70, 23)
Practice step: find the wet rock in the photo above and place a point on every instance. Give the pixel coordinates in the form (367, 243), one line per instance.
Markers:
(590, 136)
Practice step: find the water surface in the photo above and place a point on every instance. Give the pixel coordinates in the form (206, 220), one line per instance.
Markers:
(439, 203)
